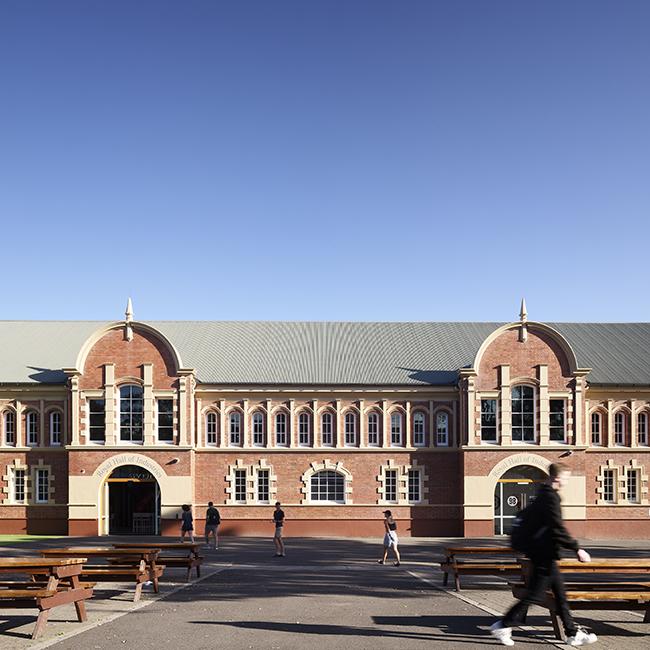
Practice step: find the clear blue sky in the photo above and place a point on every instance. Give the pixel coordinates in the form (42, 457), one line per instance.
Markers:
(325, 160)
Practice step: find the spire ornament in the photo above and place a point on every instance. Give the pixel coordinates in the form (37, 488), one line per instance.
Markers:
(128, 331)
(523, 320)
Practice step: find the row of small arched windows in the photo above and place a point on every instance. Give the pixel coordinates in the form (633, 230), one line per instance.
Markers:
(622, 431)
(327, 431)
(32, 428)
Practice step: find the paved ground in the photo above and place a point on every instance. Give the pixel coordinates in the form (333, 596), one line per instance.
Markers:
(324, 590)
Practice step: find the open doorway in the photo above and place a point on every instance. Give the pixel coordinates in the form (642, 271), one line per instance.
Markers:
(514, 491)
(131, 500)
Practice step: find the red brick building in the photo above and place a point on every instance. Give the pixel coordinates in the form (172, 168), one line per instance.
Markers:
(111, 427)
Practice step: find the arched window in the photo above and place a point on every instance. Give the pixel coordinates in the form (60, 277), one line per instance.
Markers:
(258, 430)
(442, 429)
(304, 432)
(55, 428)
(373, 429)
(523, 414)
(328, 486)
(596, 429)
(31, 421)
(620, 429)
(211, 428)
(642, 428)
(350, 430)
(327, 429)
(396, 439)
(281, 429)
(234, 428)
(418, 429)
(131, 413)
(10, 428)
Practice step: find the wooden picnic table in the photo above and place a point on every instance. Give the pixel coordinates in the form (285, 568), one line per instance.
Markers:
(478, 560)
(608, 593)
(188, 557)
(60, 587)
(121, 564)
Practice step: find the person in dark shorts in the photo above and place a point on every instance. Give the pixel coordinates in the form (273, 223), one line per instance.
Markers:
(187, 525)
(212, 521)
(390, 538)
(543, 549)
(278, 520)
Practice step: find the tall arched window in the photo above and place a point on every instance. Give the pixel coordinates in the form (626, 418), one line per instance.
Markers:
(258, 430)
(10, 428)
(373, 429)
(31, 422)
(211, 428)
(234, 429)
(596, 429)
(281, 429)
(327, 486)
(350, 430)
(304, 430)
(131, 413)
(642, 429)
(418, 429)
(442, 429)
(620, 429)
(396, 439)
(327, 429)
(523, 414)
(55, 428)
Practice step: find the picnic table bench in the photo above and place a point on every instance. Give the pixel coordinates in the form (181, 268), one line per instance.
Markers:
(173, 554)
(478, 560)
(61, 587)
(605, 594)
(137, 564)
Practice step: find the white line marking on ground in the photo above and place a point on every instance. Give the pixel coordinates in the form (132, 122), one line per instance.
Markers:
(112, 617)
(489, 610)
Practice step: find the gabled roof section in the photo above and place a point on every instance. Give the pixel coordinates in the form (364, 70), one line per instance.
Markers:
(322, 353)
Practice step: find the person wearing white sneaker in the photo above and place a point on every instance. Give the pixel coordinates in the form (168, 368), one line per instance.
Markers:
(544, 534)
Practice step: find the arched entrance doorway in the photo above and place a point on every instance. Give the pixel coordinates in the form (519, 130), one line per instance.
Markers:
(130, 502)
(513, 492)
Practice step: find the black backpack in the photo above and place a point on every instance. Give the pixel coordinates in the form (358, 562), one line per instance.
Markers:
(213, 517)
(526, 529)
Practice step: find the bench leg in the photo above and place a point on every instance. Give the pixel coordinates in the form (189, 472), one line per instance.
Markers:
(457, 581)
(41, 621)
(138, 592)
(198, 570)
(445, 578)
(188, 575)
(80, 606)
(646, 618)
(555, 620)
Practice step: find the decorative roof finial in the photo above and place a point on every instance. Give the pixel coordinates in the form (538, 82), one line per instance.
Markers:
(523, 318)
(128, 332)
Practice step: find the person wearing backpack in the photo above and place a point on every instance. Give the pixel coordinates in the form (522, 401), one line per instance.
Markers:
(212, 521)
(540, 534)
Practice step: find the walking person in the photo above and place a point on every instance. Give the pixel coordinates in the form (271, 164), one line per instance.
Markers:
(187, 525)
(540, 534)
(390, 538)
(278, 520)
(212, 521)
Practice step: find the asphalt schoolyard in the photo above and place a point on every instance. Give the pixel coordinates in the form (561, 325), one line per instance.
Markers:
(324, 590)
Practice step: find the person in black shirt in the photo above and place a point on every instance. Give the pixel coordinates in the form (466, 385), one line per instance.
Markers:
(544, 550)
(212, 521)
(278, 520)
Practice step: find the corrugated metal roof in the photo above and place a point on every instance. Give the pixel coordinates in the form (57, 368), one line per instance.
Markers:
(326, 353)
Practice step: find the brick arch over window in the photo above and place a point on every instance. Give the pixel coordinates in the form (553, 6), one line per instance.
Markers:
(319, 467)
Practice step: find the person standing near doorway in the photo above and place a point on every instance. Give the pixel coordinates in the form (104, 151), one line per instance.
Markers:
(543, 535)
(390, 538)
(278, 520)
(212, 521)
(187, 525)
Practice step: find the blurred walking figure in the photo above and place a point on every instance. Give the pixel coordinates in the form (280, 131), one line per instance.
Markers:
(278, 520)
(539, 533)
(212, 521)
(390, 538)
(187, 525)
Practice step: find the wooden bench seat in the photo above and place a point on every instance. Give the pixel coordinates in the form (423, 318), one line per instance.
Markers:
(19, 594)
(183, 562)
(478, 567)
(596, 596)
